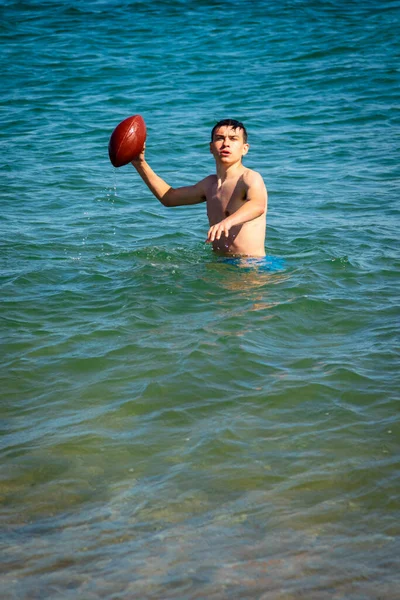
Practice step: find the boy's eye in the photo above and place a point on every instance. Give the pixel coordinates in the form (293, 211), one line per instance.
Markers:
(233, 138)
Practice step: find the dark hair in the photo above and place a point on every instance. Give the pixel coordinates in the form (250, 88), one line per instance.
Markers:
(230, 123)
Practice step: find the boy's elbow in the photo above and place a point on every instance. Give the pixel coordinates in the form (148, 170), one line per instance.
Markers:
(166, 200)
(261, 209)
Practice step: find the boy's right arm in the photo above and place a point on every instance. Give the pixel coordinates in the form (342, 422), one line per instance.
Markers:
(168, 196)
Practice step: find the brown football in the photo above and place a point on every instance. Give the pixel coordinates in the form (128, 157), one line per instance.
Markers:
(127, 140)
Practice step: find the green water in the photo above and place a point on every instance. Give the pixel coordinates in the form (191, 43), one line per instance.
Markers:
(174, 425)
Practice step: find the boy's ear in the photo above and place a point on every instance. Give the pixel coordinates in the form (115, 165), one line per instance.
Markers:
(245, 149)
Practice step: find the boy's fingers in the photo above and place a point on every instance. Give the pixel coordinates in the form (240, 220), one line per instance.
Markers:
(215, 232)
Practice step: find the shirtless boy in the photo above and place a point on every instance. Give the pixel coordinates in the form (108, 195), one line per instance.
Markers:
(236, 197)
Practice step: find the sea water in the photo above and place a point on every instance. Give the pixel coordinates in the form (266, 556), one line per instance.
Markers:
(177, 425)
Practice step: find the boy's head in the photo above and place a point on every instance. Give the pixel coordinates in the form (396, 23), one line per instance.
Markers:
(228, 142)
(234, 124)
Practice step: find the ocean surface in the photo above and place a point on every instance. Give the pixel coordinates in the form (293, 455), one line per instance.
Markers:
(175, 425)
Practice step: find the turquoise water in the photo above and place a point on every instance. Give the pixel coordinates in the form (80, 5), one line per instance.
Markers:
(176, 425)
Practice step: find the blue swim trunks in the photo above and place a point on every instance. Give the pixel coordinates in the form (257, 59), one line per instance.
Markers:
(266, 263)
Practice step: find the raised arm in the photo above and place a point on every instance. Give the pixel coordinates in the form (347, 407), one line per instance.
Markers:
(167, 195)
(255, 206)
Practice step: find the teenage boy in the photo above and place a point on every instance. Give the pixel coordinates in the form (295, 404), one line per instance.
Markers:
(236, 196)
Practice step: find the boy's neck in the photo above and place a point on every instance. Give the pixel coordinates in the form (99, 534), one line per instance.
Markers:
(228, 171)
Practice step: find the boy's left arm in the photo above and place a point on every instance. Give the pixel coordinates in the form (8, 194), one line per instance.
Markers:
(255, 206)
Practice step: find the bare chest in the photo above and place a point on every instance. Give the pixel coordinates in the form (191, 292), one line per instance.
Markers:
(224, 199)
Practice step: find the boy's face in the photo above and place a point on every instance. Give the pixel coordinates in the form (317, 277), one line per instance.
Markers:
(228, 145)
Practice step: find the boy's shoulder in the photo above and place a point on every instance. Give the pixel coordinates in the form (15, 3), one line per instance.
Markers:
(207, 181)
(251, 177)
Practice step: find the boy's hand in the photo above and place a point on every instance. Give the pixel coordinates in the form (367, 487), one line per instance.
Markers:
(215, 232)
(140, 157)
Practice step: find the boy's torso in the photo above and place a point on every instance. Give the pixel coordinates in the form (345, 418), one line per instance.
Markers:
(224, 199)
